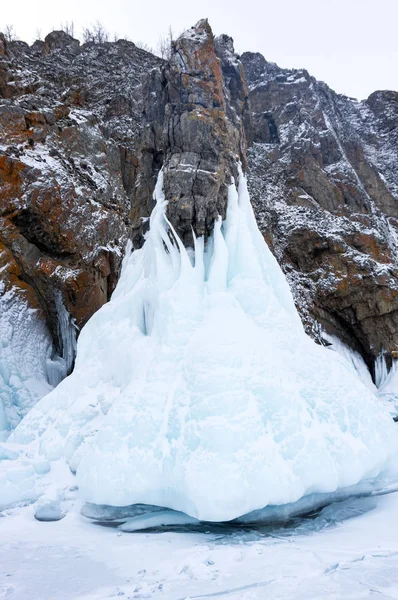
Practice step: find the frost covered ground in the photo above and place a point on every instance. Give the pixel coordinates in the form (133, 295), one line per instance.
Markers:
(347, 551)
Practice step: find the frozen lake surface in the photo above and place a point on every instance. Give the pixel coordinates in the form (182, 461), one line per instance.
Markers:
(348, 550)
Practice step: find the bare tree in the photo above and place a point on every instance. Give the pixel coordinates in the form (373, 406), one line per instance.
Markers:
(88, 35)
(101, 35)
(38, 33)
(9, 33)
(96, 33)
(68, 27)
(164, 47)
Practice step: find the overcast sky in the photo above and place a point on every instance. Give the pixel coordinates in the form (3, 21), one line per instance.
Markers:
(350, 44)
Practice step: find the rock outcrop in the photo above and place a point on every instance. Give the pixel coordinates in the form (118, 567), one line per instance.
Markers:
(195, 109)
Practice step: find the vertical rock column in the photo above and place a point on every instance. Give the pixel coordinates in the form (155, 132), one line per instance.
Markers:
(194, 126)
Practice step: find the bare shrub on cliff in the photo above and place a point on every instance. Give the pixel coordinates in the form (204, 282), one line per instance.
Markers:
(68, 27)
(10, 33)
(164, 46)
(96, 33)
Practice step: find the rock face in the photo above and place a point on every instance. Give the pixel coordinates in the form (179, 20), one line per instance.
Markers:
(69, 122)
(85, 129)
(324, 182)
(194, 115)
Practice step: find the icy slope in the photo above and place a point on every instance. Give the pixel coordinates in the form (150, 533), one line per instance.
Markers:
(196, 387)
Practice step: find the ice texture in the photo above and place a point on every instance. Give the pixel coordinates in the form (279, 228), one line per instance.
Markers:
(387, 380)
(162, 518)
(195, 388)
(48, 506)
(29, 368)
(353, 358)
(17, 478)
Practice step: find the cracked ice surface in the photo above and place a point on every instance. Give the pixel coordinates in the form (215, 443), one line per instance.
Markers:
(348, 551)
(196, 388)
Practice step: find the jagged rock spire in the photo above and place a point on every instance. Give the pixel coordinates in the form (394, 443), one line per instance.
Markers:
(195, 130)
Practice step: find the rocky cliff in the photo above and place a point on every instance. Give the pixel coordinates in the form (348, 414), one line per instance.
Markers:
(195, 109)
(324, 181)
(84, 131)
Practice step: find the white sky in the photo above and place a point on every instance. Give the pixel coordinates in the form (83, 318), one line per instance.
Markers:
(350, 44)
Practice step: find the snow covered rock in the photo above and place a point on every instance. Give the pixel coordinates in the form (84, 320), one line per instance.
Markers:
(195, 388)
(48, 507)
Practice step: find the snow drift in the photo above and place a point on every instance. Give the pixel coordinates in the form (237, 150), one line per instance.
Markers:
(196, 388)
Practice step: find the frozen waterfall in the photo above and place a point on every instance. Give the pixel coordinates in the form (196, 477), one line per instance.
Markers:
(196, 388)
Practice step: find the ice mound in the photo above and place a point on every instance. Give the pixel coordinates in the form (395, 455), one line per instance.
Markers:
(195, 388)
(18, 476)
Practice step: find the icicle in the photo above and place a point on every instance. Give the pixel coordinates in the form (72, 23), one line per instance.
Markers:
(217, 281)
(185, 263)
(385, 377)
(353, 358)
(66, 333)
(3, 422)
(381, 370)
(199, 245)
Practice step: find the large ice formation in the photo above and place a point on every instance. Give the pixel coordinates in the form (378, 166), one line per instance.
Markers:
(196, 388)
